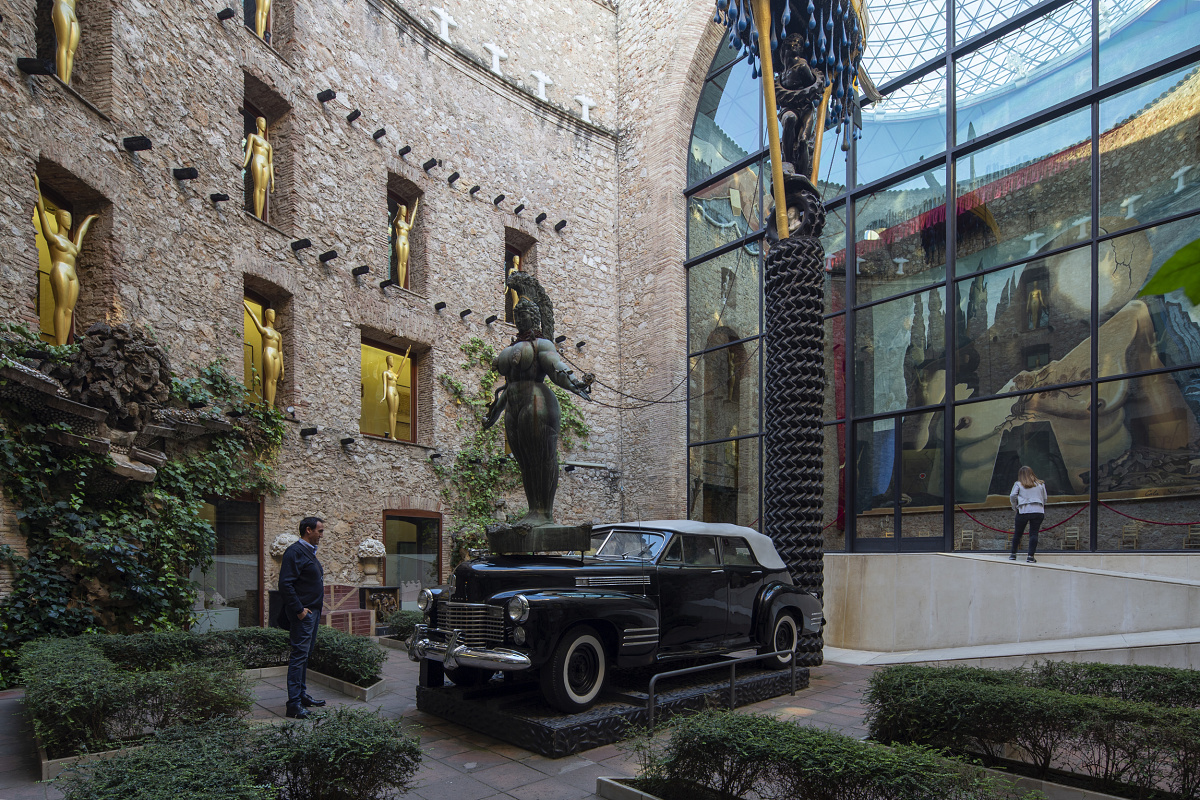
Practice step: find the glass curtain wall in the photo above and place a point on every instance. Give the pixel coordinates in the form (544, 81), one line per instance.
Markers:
(1065, 139)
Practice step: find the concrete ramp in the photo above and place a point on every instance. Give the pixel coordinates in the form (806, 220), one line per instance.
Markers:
(985, 609)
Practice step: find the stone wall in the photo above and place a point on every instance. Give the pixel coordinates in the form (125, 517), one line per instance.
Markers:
(165, 256)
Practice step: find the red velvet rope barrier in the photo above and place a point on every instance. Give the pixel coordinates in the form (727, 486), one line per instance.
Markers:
(1003, 530)
(1139, 519)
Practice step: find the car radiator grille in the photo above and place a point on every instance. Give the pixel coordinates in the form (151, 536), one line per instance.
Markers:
(478, 624)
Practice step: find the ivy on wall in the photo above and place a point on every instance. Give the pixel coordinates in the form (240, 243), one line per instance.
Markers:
(113, 555)
(475, 483)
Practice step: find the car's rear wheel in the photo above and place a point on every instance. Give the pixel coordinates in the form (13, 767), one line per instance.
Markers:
(785, 635)
(468, 677)
(574, 676)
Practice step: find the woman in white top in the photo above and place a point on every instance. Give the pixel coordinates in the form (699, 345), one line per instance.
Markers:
(1028, 499)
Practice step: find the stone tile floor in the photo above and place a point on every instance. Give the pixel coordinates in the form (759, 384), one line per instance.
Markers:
(459, 763)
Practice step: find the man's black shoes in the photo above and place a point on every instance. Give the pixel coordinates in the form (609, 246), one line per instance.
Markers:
(308, 702)
(297, 713)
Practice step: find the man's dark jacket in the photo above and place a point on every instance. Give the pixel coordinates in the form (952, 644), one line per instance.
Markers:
(301, 583)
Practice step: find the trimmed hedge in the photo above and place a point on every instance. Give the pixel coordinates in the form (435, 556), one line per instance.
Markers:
(95, 690)
(403, 622)
(79, 700)
(356, 659)
(1147, 747)
(341, 755)
(734, 754)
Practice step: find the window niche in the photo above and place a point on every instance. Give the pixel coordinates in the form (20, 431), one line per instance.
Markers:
(392, 376)
(520, 253)
(89, 67)
(269, 307)
(269, 20)
(259, 101)
(86, 291)
(407, 273)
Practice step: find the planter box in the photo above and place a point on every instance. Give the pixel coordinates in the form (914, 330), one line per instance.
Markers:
(53, 767)
(619, 789)
(392, 643)
(364, 693)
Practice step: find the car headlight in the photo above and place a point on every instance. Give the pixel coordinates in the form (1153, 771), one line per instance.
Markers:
(424, 599)
(518, 608)
(519, 635)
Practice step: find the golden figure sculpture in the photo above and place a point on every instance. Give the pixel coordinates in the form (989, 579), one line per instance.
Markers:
(64, 254)
(390, 381)
(271, 369)
(512, 293)
(260, 158)
(1035, 307)
(66, 30)
(401, 228)
(262, 12)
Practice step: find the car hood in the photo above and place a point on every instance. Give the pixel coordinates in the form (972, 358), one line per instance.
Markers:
(476, 581)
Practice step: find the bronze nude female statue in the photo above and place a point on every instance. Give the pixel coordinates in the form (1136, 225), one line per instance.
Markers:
(532, 417)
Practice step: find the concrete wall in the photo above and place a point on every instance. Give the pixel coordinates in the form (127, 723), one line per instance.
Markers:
(905, 602)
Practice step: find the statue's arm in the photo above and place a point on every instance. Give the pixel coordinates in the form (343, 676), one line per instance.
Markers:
(271, 164)
(558, 370)
(41, 208)
(249, 150)
(83, 229)
(254, 319)
(412, 215)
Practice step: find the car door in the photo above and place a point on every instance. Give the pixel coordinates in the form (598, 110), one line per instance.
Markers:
(692, 595)
(744, 578)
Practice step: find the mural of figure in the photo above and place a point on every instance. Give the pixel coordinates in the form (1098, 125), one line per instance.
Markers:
(390, 382)
(401, 228)
(66, 30)
(262, 13)
(64, 255)
(260, 159)
(271, 369)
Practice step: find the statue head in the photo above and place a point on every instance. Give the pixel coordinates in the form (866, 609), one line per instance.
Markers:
(401, 213)
(527, 315)
(64, 220)
(261, 124)
(269, 317)
(391, 361)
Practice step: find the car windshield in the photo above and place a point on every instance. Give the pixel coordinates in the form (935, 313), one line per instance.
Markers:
(631, 544)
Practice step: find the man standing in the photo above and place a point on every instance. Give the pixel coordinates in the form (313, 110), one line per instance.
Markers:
(302, 586)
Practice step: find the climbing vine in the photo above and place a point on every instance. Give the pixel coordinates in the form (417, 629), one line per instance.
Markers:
(475, 482)
(112, 555)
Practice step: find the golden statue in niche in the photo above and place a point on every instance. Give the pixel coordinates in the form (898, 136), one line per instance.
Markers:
(1036, 311)
(513, 297)
(260, 159)
(271, 368)
(66, 30)
(64, 255)
(401, 228)
(262, 13)
(389, 379)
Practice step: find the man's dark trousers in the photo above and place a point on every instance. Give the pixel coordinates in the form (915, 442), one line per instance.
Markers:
(302, 585)
(304, 639)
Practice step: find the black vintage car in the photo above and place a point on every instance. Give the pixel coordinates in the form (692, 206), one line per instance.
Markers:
(647, 591)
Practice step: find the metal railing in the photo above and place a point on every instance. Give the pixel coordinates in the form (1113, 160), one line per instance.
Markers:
(731, 664)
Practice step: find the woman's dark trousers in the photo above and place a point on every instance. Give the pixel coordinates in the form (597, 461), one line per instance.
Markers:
(1034, 521)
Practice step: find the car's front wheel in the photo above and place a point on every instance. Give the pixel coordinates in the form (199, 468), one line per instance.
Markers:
(785, 635)
(574, 676)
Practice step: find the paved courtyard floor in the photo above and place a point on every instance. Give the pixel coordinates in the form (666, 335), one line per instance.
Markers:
(460, 764)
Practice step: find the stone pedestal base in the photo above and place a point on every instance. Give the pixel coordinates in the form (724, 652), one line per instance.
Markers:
(513, 710)
(504, 538)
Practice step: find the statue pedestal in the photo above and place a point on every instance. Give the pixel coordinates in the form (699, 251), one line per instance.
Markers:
(505, 538)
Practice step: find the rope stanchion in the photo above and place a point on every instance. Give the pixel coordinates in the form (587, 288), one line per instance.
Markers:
(1005, 530)
(1139, 519)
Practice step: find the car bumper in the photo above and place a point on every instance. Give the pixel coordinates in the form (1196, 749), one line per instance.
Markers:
(442, 645)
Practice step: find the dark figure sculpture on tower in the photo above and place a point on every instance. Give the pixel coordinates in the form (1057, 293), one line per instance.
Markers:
(532, 418)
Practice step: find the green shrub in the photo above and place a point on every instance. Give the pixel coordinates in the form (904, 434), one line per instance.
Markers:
(355, 659)
(736, 755)
(343, 755)
(77, 699)
(403, 622)
(1162, 686)
(251, 647)
(1093, 732)
(209, 762)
